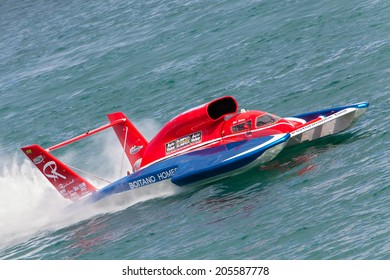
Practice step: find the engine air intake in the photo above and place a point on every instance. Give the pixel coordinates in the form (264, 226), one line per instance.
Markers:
(222, 107)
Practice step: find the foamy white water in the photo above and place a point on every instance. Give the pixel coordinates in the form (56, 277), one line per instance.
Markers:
(31, 204)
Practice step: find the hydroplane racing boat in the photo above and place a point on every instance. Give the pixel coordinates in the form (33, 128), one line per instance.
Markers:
(201, 145)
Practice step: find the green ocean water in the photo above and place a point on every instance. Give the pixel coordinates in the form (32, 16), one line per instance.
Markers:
(65, 64)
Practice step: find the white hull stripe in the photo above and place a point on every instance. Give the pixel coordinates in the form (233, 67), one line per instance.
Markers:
(273, 139)
(321, 122)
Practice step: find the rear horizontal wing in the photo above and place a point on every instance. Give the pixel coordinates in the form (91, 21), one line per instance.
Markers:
(67, 182)
(132, 141)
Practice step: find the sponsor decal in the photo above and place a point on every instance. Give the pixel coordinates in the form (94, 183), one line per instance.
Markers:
(183, 142)
(38, 159)
(196, 137)
(75, 192)
(83, 188)
(51, 167)
(137, 164)
(160, 176)
(170, 147)
(28, 152)
(135, 149)
(142, 182)
(63, 186)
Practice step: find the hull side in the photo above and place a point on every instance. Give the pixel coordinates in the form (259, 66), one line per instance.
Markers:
(332, 122)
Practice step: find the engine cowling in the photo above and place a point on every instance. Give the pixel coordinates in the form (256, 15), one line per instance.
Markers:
(193, 127)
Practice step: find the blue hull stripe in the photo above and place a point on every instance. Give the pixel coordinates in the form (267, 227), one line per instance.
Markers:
(195, 166)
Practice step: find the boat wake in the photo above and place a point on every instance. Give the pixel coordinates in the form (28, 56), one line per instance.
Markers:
(27, 202)
(30, 205)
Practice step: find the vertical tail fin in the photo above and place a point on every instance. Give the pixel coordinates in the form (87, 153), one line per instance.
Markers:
(69, 184)
(132, 141)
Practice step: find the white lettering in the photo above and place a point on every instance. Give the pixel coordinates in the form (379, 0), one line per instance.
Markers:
(196, 137)
(163, 175)
(166, 174)
(142, 182)
(61, 186)
(170, 147)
